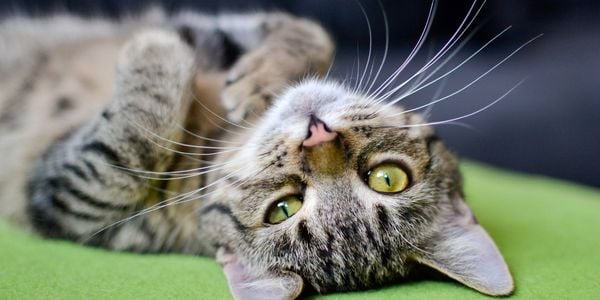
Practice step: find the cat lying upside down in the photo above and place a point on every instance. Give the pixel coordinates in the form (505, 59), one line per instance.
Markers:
(218, 135)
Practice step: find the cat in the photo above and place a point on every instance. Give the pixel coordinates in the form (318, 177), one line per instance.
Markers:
(222, 136)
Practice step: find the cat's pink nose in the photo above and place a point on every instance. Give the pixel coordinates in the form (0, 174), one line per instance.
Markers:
(318, 133)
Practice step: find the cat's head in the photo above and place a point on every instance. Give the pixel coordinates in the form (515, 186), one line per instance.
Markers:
(336, 191)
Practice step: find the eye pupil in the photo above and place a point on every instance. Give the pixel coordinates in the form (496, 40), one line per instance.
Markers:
(386, 176)
(283, 205)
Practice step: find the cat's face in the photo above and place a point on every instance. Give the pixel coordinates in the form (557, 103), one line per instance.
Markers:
(348, 207)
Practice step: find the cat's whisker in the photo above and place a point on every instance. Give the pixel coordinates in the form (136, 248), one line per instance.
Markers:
(427, 113)
(157, 144)
(131, 217)
(206, 138)
(448, 45)
(470, 83)
(170, 173)
(399, 232)
(247, 122)
(372, 79)
(238, 183)
(180, 177)
(456, 36)
(184, 144)
(364, 73)
(187, 154)
(412, 54)
(178, 199)
(162, 190)
(460, 117)
(172, 177)
(277, 93)
(424, 76)
(219, 126)
(464, 125)
(195, 97)
(185, 199)
(331, 64)
(166, 173)
(355, 64)
(417, 79)
(386, 48)
(371, 68)
(419, 88)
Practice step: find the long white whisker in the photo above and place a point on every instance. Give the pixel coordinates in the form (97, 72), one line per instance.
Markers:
(331, 64)
(427, 113)
(185, 154)
(140, 213)
(364, 73)
(194, 171)
(187, 145)
(189, 196)
(238, 183)
(206, 138)
(214, 123)
(386, 48)
(355, 80)
(412, 54)
(215, 114)
(175, 200)
(417, 79)
(188, 154)
(418, 88)
(472, 82)
(463, 116)
(182, 176)
(468, 20)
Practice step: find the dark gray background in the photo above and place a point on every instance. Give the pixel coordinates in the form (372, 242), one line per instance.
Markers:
(549, 125)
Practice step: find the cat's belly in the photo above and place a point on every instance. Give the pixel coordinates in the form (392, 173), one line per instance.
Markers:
(46, 98)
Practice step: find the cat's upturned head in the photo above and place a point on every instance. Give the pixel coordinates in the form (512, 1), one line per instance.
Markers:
(337, 191)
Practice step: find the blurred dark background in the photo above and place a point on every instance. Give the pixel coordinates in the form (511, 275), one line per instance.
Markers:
(548, 125)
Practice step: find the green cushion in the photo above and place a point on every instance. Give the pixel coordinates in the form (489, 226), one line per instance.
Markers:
(548, 231)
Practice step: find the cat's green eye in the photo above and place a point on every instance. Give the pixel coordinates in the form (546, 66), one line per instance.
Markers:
(387, 178)
(283, 209)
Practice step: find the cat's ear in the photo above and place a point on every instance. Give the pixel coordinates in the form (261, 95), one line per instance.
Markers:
(246, 284)
(464, 251)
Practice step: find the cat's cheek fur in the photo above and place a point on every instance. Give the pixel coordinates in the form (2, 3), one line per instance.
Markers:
(246, 284)
(462, 250)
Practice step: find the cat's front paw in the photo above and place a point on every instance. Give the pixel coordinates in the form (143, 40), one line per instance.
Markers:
(154, 71)
(251, 85)
(155, 63)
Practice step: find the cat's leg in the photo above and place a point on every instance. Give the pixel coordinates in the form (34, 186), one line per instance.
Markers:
(281, 49)
(263, 53)
(96, 176)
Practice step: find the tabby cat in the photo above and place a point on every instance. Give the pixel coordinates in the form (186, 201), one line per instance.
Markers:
(220, 136)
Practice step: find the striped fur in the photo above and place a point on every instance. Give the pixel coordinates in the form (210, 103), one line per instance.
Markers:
(105, 129)
(185, 145)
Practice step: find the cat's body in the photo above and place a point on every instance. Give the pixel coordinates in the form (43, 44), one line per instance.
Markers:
(122, 135)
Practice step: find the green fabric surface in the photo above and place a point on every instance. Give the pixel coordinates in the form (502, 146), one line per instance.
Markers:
(548, 231)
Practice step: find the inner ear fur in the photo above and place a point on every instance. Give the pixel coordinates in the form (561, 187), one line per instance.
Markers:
(247, 283)
(461, 249)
